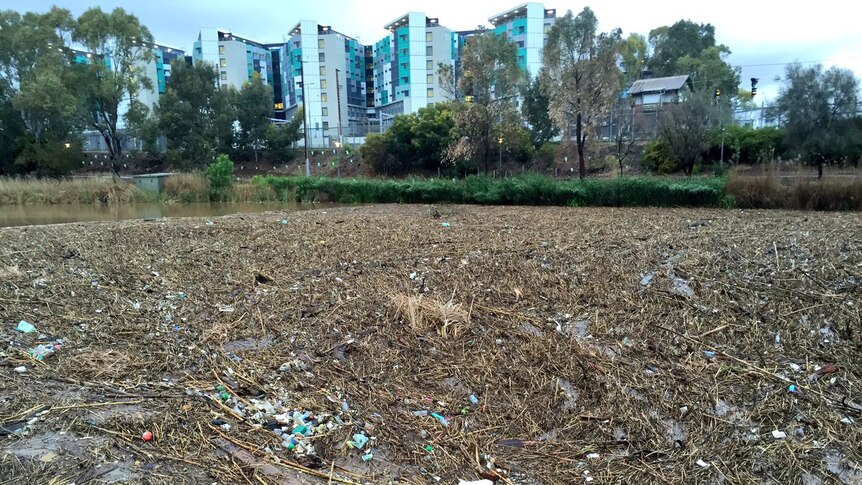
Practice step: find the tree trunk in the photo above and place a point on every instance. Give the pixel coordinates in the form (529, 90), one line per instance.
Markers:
(819, 167)
(582, 166)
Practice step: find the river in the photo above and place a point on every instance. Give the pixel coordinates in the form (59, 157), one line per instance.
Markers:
(28, 215)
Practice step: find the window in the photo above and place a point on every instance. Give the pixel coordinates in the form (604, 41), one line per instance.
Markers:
(221, 49)
(406, 93)
(429, 50)
(323, 98)
(430, 92)
(405, 80)
(403, 37)
(321, 43)
(429, 65)
(323, 84)
(403, 52)
(430, 79)
(521, 29)
(521, 60)
(520, 44)
(223, 62)
(322, 70)
(429, 37)
(325, 125)
(403, 65)
(223, 76)
(324, 111)
(322, 56)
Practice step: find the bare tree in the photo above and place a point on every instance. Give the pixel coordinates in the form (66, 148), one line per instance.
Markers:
(684, 127)
(581, 76)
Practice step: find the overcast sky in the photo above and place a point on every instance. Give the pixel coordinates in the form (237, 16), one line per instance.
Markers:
(763, 35)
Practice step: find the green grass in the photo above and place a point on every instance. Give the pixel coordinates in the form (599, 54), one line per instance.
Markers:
(523, 190)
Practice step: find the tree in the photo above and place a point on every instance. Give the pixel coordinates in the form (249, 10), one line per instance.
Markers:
(689, 48)
(817, 109)
(120, 46)
(489, 81)
(633, 55)
(254, 114)
(37, 86)
(534, 108)
(581, 76)
(622, 123)
(683, 128)
(195, 115)
(280, 138)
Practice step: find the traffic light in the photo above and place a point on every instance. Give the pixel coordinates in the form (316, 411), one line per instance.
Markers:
(717, 92)
(754, 86)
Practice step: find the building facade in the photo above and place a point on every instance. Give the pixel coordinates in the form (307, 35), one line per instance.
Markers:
(406, 64)
(326, 73)
(526, 25)
(158, 70)
(236, 58)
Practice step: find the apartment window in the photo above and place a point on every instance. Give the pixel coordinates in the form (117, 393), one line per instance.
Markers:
(429, 37)
(221, 49)
(321, 43)
(325, 125)
(322, 56)
(406, 93)
(405, 80)
(323, 84)
(429, 50)
(324, 111)
(520, 44)
(403, 52)
(403, 65)
(430, 92)
(296, 44)
(430, 79)
(323, 97)
(223, 62)
(223, 76)
(322, 70)
(429, 65)
(521, 60)
(521, 29)
(403, 37)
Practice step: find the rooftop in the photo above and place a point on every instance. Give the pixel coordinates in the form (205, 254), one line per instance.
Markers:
(515, 12)
(658, 84)
(402, 21)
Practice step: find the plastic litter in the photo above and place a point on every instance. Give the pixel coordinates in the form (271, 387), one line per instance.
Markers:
(475, 482)
(779, 435)
(147, 436)
(41, 351)
(709, 354)
(21, 369)
(647, 279)
(702, 464)
(368, 457)
(445, 224)
(285, 222)
(442, 419)
(474, 400)
(26, 327)
(359, 440)
(792, 389)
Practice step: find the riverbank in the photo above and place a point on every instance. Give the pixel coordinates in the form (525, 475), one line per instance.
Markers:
(738, 189)
(545, 345)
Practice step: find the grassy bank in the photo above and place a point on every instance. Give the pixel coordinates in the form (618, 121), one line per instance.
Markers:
(100, 190)
(523, 190)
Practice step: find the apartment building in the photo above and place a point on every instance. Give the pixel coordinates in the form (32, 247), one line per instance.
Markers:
(325, 73)
(158, 70)
(406, 64)
(527, 25)
(236, 58)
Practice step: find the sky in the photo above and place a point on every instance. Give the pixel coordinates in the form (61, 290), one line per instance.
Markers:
(763, 35)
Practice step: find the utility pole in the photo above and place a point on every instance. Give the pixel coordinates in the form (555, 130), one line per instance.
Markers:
(340, 137)
(304, 117)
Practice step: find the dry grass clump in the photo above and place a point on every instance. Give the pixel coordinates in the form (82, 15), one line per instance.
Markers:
(801, 192)
(187, 187)
(96, 190)
(447, 319)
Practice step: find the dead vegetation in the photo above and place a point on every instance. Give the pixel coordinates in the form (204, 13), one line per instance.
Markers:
(622, 345)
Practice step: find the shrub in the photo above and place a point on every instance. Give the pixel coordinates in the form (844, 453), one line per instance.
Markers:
(657, 158)
(187, 187)
(220, 176)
